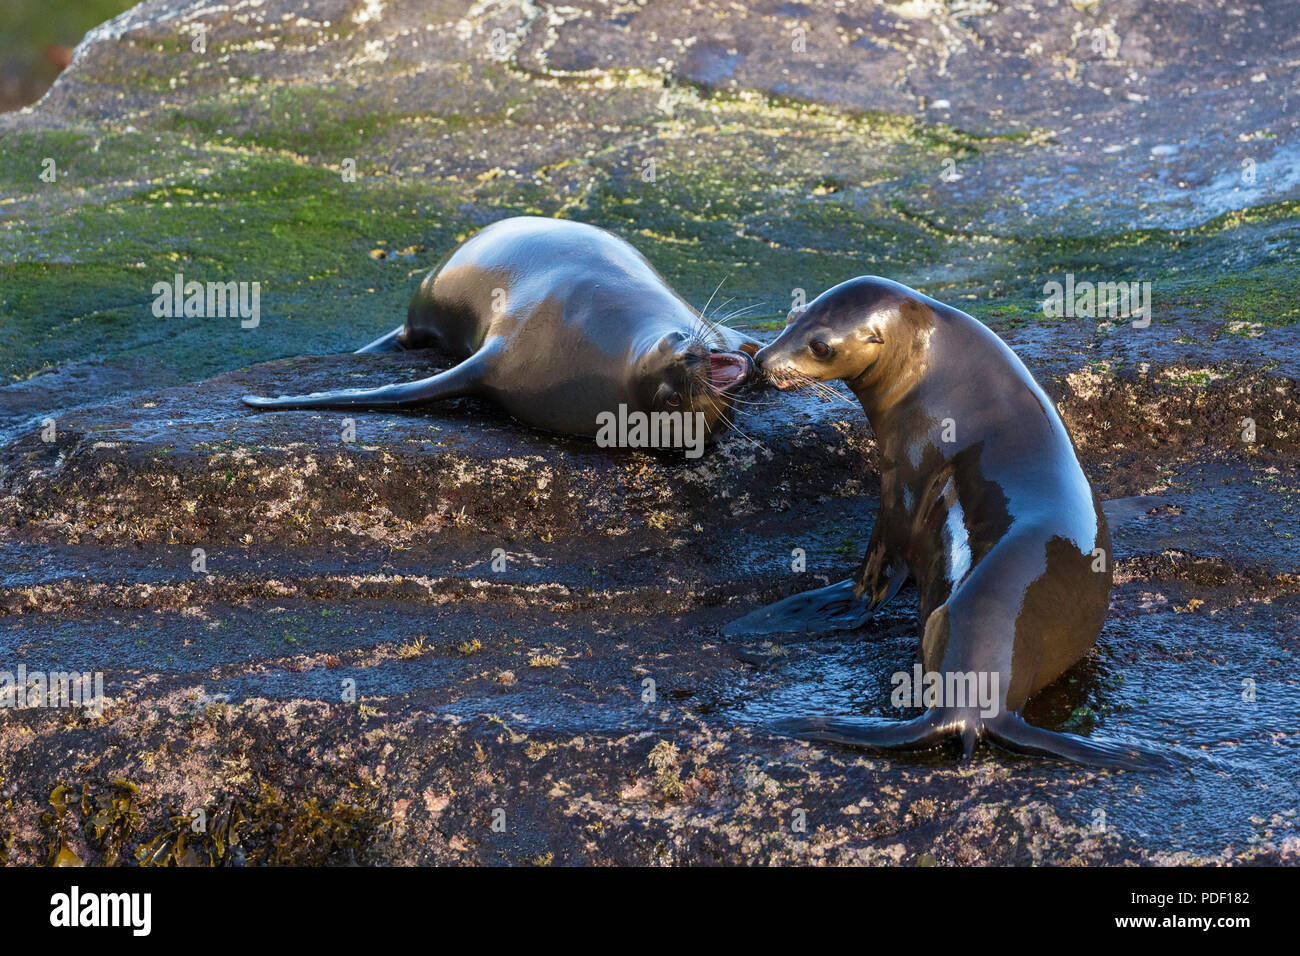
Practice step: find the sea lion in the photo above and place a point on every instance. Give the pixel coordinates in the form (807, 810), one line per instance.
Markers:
(557, 322)
(983, 503)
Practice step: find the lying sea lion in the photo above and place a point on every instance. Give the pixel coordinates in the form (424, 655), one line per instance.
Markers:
(557, 322)
(983, 503)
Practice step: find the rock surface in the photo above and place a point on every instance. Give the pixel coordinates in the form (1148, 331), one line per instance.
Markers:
(346, 677)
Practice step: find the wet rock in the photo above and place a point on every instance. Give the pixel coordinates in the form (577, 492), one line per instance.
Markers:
(583, 689)
(457, 640)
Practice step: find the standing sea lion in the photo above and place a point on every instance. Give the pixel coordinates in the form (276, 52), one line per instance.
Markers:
(557, 322)
(983, 503)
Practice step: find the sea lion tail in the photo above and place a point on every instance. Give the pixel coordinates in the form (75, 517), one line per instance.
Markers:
(1010, 731)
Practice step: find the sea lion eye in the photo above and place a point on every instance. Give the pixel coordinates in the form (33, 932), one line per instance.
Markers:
(820, 348)
(674, 399)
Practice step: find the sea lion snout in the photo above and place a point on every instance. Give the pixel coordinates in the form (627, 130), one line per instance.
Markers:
(777, 366)
(771, 371)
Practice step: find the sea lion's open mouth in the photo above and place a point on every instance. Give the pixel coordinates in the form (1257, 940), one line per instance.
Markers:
(728, 370)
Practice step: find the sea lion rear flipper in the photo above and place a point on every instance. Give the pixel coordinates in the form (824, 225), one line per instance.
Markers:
(832, 608)
(463, 379)
(1119, 510)
(1010, 731)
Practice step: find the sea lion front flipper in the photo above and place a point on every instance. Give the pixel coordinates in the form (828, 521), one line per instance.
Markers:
(874, 733)
(463, 379)
(880, 576)
(832, 608)
(392, 342)
(1010, 731)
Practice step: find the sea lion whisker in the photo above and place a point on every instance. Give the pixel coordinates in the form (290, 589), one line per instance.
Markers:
(828, 392)
(721, 305)
(794, 379)
(716, 328)
(798, 381)
(743, 401)
(739, 401)
(736, 313)
(732, 425)
(723, 402)
(802, 380)
(709, 323)
(705, 311)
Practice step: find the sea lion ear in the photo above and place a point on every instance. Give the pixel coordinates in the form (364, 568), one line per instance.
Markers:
(874, 338)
